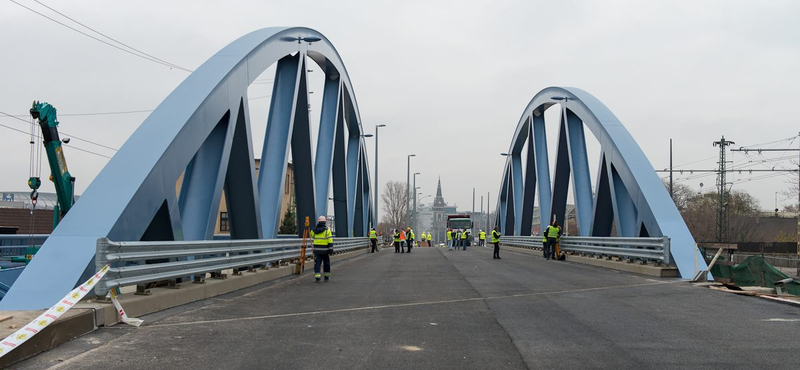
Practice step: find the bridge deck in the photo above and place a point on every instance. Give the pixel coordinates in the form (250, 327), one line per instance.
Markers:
(438, 309)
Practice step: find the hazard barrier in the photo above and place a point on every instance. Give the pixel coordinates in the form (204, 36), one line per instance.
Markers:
(59, 309)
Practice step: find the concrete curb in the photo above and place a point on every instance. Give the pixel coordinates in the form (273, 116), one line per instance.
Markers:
(87, 316)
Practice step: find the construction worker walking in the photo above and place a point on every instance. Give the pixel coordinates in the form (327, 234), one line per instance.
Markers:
(323, 247)
(482, 238)
(553, 232)
(373, 238)
(496, 242)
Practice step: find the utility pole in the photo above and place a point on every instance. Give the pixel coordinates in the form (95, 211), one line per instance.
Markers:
(487, 211)
(722, 192)
(377, 190)
(759, 150)
(408, 190)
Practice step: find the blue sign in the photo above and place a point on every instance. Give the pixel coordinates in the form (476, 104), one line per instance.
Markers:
(8, 197)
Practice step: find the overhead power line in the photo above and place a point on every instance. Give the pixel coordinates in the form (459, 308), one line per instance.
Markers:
(67, 134)
(132, 51)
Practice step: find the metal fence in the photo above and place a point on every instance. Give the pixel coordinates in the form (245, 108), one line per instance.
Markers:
(134, 263)
(646, 249)
(12, 245)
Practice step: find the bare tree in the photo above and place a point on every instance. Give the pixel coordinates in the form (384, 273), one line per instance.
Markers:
(791, 195)
(394, 204)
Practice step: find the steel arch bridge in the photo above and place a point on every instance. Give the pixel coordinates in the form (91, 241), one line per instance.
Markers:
(201, 134)
(627, 195)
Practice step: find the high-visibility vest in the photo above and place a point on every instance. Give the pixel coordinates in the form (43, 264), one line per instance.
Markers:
(464, 236)
(429, 237)
(373, 234)
(402, 235)
(552, 232)
(449, 235)
(482, 235)
(412, 236)
(322, 241)
(544, 238)
(495, 236)
(397, 237)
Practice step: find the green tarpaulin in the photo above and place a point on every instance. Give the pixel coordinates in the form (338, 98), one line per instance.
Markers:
(754, 271)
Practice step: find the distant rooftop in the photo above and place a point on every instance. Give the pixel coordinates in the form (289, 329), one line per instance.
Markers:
(21, 199)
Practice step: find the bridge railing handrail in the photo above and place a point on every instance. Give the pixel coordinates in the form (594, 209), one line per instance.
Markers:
(175, 259)
(655, 249)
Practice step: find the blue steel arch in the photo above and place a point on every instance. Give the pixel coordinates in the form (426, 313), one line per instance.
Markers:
(627, 192)
(201, 132)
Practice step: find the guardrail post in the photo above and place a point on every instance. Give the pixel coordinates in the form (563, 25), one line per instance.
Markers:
(100, 260)
(667, 255)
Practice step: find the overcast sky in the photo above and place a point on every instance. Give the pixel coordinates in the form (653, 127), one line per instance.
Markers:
(449, 78)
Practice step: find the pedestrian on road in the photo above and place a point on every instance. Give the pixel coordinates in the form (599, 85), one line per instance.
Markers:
(553, 232)
(482, 238)
(373, 238)
(410, 240)
(449, 236)
(496, 242)
(323, 244)
(396, 241)
(429, 239)
(403, 238)
(464, 236)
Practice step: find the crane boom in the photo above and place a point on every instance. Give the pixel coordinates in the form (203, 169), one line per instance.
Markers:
(59, 173)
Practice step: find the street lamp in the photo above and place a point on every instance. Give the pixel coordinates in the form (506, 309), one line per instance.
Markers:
(415, 199)
(408, 189)
(377, 190)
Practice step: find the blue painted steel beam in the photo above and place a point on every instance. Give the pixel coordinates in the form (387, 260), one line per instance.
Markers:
(542, 167)
(275, 154)
(302, 161)
(323, 163)
(241, 196)
(518, 188)
(558, 205)
(603, 217)
(201, 189)
(529, 196)
(579, 167)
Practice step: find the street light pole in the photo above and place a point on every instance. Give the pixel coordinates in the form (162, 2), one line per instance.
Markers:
(377, 191)
(408, 189)
(415, 201)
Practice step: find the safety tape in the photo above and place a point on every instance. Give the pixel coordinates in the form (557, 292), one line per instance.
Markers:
(59, 309)
(128, 320)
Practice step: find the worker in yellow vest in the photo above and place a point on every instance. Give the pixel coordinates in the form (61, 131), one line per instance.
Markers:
(373, 238)
(552, 232)
(464, 235)
(410, 239)
(396, 241)
(496, 242)
(482, 238)
(429, 239)
(449, 237)
(323, 247)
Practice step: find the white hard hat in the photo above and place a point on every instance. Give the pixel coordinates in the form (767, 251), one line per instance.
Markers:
(322, 219)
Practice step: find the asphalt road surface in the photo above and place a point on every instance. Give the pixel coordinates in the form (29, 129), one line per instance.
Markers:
(439, 309)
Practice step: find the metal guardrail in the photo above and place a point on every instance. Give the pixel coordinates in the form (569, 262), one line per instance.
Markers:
(134, 263)
(12, 245)
(650, 249)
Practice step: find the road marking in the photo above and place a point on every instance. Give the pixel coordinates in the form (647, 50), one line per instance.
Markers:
(782, 320)
(411, 348)
(413, 304)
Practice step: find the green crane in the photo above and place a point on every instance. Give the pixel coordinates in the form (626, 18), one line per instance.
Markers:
(59, 174)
